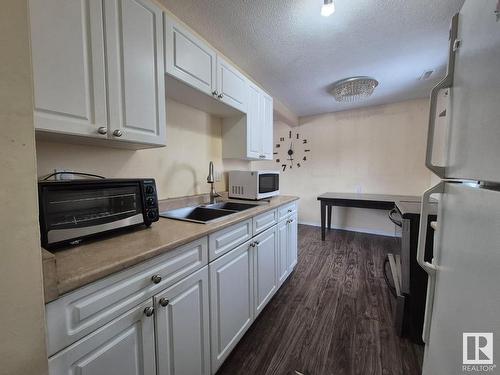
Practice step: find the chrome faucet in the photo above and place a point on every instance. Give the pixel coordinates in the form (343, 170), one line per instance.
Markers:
(211, 180)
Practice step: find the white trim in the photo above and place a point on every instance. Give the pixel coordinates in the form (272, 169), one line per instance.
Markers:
(355, 229)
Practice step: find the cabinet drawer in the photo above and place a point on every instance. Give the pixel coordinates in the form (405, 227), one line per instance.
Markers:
(81, 312)
(263, 221)
(227, 239)
(286, 210)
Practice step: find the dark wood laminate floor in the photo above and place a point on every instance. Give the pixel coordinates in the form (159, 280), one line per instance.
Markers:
(331, 317)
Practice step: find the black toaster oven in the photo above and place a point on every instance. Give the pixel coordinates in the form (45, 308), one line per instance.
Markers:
(73, 210)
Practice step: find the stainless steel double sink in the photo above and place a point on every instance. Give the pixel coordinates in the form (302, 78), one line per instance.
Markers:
(208, 212)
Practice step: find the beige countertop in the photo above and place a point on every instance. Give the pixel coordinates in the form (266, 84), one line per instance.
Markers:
(71, 268)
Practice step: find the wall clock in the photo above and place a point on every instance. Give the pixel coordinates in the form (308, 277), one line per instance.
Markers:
(291, 151)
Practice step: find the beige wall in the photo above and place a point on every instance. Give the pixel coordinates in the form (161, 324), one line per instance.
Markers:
(180, 168)
(372, 150)
(22, 343)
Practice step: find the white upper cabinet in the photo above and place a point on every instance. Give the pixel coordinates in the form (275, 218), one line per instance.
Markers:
(68, 66)
(250, 137)
(254, 118)
(188, 58)
(191, 60)
(134, 36)
(98, 70)
(232, 86)
(266, 132)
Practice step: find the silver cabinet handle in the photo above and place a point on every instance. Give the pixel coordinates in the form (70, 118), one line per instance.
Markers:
(149, 311)
(117, 133)
(446, 82)
(430, 268)
(156, 279)
(262, 156)
(215, 93)
(102, 130)
(163, 302)
(220, 96)
(290, 210)
(257, 243)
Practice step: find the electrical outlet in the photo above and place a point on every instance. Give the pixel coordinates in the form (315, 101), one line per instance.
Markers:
(358, 189)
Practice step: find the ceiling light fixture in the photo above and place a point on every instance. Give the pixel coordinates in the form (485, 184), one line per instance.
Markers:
(328, 8)
(353, 89)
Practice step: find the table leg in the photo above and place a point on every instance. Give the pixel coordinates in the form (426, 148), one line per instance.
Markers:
(323, 220)
(329, 217)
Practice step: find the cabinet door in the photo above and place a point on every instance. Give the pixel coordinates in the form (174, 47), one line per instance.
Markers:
(231, 301)
(134, 37)
(254, 129)
(283, 247)
(292, 243)
(68, 66)
(265, 268)
(125, 346)
(231, 85)
(188, 58)
(266, 126)
(182, 327)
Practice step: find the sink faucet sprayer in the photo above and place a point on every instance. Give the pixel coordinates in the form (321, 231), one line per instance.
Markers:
(211, 180)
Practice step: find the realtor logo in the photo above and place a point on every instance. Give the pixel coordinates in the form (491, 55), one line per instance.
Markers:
(478, 348)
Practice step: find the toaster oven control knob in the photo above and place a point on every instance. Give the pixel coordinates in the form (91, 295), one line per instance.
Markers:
(156, 279)
(150, 189)
(150, 202)
(151, 215)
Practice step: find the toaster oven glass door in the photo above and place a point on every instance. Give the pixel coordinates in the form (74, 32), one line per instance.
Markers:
(74, 212)
(268, 182)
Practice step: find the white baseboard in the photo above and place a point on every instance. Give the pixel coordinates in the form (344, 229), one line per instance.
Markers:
(354, 229)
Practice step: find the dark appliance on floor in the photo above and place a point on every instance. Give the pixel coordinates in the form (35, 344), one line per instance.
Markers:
(405, 278)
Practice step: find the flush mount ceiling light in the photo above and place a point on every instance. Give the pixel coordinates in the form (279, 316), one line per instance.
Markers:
(353, 89)
(328, 8)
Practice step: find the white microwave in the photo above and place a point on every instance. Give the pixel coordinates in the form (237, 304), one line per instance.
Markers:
(253, 185)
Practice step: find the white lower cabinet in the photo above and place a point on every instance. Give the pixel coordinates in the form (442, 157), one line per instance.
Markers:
(175, 314)
(292, 242)
(182, 327)
(283, 250)
(231, 301)
(265, 259)
(125, 346)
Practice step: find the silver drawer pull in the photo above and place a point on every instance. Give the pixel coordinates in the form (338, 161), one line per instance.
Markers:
(102, 130)
(156, 279)
(117, 133)
(163, 302)
(149, 311)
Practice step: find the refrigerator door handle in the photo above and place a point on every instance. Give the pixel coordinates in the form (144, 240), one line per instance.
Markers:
(430, 268)
(446, 82)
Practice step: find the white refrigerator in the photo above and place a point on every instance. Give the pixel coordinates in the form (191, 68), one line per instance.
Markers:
(462, 318)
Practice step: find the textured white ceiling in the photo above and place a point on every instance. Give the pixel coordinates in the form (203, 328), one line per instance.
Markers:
(295, 54)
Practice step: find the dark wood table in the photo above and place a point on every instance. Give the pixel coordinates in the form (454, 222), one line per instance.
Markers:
(373, 201)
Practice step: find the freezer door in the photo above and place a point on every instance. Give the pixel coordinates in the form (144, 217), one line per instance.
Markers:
(474, 126)
(466, 283)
